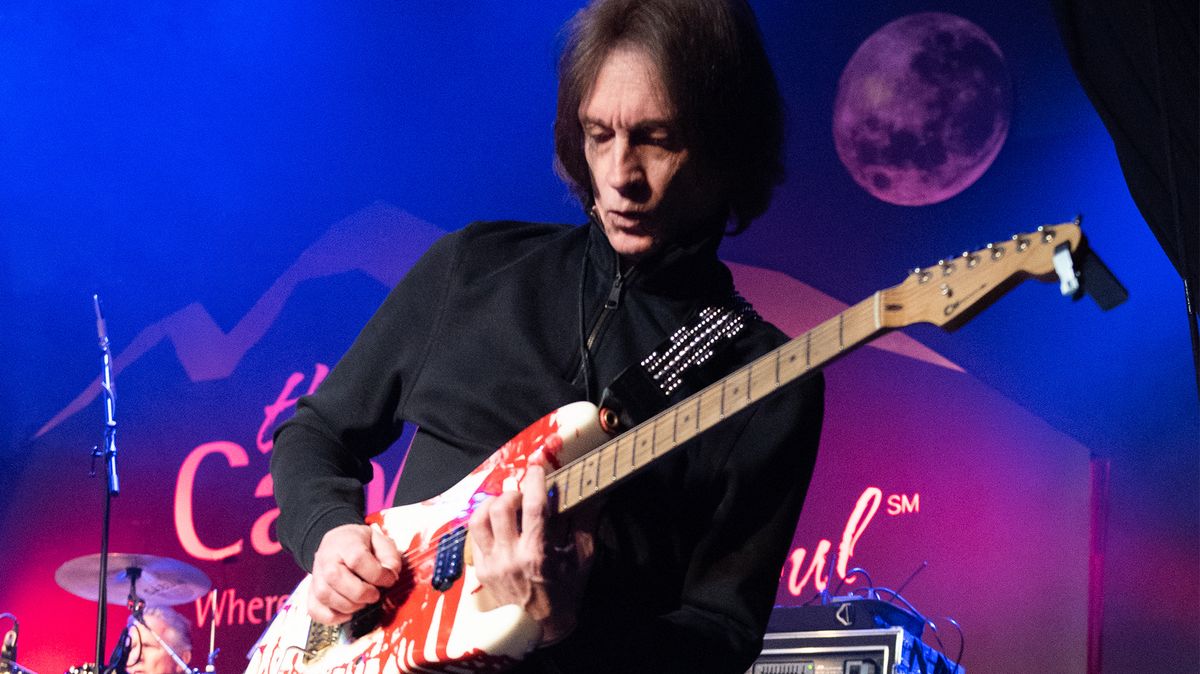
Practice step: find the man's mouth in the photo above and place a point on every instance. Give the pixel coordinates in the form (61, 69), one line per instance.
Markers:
(629, 220)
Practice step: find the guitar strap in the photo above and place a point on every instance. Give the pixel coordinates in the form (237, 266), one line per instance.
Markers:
(687, 360)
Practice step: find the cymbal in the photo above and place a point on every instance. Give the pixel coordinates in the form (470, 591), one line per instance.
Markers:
(163, 581)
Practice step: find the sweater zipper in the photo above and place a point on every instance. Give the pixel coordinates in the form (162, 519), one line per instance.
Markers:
(610, 304)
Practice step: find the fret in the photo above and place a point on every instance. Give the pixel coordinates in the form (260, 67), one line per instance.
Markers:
(823, 348)
(602, 456)
(591, 475)
(854, 325)
(687, 421)
(790, 366)
(689, 418)
(678, 424)
(761, 383)
(643, 443)
(710, 407)
(575, 479)
(739, 389)
(607, 452)
(867, 321)
(554, 491)
(625, 447)
(735, 392)
(664, 432)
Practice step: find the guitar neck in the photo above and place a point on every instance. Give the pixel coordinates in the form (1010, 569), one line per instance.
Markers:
(610, 463)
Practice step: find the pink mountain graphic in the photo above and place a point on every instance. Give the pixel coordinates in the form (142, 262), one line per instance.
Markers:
(383, 241)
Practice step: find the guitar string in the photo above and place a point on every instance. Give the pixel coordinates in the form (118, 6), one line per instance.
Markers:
(821, 333)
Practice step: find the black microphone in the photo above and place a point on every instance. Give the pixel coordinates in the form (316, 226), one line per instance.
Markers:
(101, 328)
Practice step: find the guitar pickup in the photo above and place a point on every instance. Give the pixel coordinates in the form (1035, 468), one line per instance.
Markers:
(448, 565)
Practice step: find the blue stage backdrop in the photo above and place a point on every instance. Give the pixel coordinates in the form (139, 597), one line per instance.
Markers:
(242, 184)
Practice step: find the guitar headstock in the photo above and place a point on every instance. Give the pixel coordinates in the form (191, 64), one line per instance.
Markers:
(952, 291)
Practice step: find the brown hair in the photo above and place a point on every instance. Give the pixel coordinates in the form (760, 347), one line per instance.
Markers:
(716, 73)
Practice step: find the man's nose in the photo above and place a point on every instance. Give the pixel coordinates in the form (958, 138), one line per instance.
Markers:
(624, 167)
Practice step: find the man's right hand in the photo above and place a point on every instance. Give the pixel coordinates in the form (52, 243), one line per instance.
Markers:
(353, 562)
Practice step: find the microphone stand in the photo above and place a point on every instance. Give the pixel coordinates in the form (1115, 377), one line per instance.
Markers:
(112, 483)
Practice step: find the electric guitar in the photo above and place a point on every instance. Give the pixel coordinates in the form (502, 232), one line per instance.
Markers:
(438, 618)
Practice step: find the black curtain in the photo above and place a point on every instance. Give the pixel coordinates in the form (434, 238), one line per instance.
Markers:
(1138, 61)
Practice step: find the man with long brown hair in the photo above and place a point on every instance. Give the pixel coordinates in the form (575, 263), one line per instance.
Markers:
(669, 130)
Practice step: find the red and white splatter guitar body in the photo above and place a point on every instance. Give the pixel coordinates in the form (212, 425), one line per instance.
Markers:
(439, 618)
(423, 628)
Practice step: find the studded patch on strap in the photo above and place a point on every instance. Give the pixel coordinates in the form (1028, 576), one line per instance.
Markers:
(696, 342)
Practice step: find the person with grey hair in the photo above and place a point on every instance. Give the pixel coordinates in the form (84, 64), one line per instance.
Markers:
(147, 654)
(669, 130)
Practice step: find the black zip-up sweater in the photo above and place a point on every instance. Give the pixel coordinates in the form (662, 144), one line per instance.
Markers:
(481, 338)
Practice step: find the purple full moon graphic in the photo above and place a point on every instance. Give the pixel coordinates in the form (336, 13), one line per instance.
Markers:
(922, 109)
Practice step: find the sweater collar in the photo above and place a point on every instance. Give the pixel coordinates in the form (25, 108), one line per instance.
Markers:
(679, 269)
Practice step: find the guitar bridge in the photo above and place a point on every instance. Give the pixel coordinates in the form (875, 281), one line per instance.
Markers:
(320, 637)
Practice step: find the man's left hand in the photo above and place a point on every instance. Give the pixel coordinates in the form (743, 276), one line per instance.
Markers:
(514, 561)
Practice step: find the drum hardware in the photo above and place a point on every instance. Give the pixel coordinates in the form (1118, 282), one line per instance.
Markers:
(8, 653)
(145, 580)
(11, 667)
(210, 668)
(159, 581)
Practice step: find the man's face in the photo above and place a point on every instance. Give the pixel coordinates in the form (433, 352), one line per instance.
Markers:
(647, 185)
(148, 656)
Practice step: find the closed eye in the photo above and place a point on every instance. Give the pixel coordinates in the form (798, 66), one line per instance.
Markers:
(658, 137)
(597, 133)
